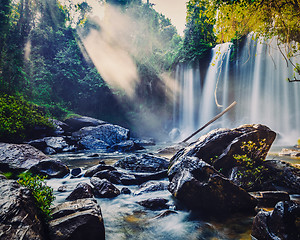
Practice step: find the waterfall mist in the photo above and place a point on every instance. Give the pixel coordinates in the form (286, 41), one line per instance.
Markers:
(256, 79)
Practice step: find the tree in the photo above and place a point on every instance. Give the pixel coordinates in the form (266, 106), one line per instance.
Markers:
(269, 19)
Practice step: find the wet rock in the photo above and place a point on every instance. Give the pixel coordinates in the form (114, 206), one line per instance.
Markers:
(218, 146)
(164, 214)
(82, 190)
(77, 220)
(290, 152)
(145, 142)
(76, 172)
(268, 199)
(76, 123)
(154, 203)
(100, 167)
(51, 168)
(104, 188)
(101, 136)
(145, 177)
(17, 158)
(56, 143)
(94, 155)
(126, 146)
(65, 188)
(277, 224)
(19, 216)
(173, 149)
(60, 128)
(112, 176)
(151, 187)
(201, 187)
(283, 176)
(143, 163)
(125, 190)
(49, 151)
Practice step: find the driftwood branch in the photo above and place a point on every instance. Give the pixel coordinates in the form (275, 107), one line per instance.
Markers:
(211, 121)
(293, 80)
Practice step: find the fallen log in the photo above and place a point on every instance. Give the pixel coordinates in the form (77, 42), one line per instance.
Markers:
(211, 121)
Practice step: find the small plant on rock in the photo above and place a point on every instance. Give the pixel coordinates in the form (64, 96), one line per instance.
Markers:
(41, 192)
(251, 169)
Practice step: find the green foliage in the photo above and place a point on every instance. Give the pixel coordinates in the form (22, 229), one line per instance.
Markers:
(268, 19)
(199, 35)
(39, 189)
(8, 175)
(18, 118)
(250, 163)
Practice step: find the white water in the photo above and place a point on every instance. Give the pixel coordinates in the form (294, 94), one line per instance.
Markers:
(257, 80)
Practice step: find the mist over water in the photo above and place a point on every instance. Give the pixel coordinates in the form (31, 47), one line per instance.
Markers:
(256, 79)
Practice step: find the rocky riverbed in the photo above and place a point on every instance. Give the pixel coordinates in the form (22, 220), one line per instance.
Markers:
(102, 193)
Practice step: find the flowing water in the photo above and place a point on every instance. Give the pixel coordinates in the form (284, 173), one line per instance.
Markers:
(125, 219)
(256, 79)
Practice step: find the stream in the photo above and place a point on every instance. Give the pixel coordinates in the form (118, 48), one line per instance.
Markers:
(125, 219)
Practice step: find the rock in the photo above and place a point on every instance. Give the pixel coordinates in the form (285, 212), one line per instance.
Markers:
(19, 216)
(76, 123)
(126, 146)
(145, 142)
(277, 224)
(76, 172)
(201, 187)
(143, 163)
(173, 149)
(154, 203)
(101, 136)
(92, 170)
(290, 152)
(112, 176)
(145, 177)
(104, 188)
(164, 214)
(218, 146)
(52, 145)
(91, 143)
(94, 155)
(61, 128)
(125, 190)
(77, 220)
(51, 168)
(151, 187)
(65, 188)
(82, 190)
(17, 158)
(283, 176)
(56, 143)
(268, 199)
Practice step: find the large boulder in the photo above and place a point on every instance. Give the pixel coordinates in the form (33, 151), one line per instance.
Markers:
(104, 188)
(77, 122)
(77, 220)
(143, 163)
(97, 168)
(51, 168)
(82, 190)
(17, 158)
(19, 216)
(52, 145)
(219, 146)
(201, 187)
(277, 224)
(154, 203)
(101, 136)
(126, 146)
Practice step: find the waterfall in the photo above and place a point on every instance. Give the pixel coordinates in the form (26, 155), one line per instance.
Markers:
(256, 79)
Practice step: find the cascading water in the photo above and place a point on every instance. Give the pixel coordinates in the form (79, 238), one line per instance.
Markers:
(256, 79)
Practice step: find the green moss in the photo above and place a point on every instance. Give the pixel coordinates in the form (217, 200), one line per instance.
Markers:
(18, 118)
